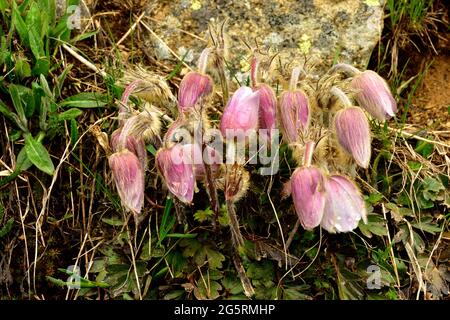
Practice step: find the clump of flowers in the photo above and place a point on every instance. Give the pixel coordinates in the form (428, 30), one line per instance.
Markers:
(324, 120)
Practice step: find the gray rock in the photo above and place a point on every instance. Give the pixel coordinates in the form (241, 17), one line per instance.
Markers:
(322, 30)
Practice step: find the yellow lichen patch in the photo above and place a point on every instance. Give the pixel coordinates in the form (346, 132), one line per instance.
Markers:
(245, 64)
(305, 44)
(196, 5)
(372, 3)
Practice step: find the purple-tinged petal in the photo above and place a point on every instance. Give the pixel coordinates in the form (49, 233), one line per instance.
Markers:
(344, 205)
(353, 133)
(176, 168)
(295, 113)
(308, 195)
(193, 87)
(128, 175)
(241, 112)
(373, 94)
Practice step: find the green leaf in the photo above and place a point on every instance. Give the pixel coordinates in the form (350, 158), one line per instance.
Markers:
(426, 225)
(17, 102)
(60, 81)
(10, 115)
(203, 215)
(425, 149)
(7, 227)
(210, 291)
(375, 225)
(69, 114)
(85, 100)
(45, 86)
(414, 165)
(167, 221)
(181, 235)
(113, 221)
(73, 131)
(42, 66)
(83, 36)
(374, 198)
(22, 162)
(23, 69)
(151, 149)
(19, 25)
(38, 155)
(36, 44)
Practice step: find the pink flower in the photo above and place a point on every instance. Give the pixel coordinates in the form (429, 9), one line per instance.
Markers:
(176, 168)
(308, 194)
(295, 113)
(353, 133)
(374, 95)
(128, 175)
(198, 159)
(267, 108)
(133, 144)
(193, 88)
(241, 112)
(344, 205)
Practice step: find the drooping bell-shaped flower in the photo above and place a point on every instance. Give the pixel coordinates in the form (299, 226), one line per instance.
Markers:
(344, 205)
(267, 108)
(241, 112)
(294, 109)
(128, 175)
(308, 194)
(267, 100)
(133, 144)
(373, 94)
(175, 166)
(193, 87)
(353, 134)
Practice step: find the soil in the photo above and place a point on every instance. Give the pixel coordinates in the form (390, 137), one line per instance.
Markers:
(430, 104)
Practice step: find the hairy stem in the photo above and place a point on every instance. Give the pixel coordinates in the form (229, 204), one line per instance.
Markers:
(203, 60)
(236, 236)
(254, 72)
(345, 68)
(246, 284)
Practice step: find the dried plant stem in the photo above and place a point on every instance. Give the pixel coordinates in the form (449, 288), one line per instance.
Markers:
(254, 72)
(236, 235)
(292, 234)
(212, 192)
(83, 60)
(203, 60)
(246, 284)
(223, 82)
(181, 217)
(294, 78)
(133, 26)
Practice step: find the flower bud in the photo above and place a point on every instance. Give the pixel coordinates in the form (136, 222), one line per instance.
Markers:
(374, 95)
(267, 108)
(128, 176)
(295, 114)
(193, 88)
(241, 112)
(344, 205)
(308, 194)
(176, 168)
(353, 133)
